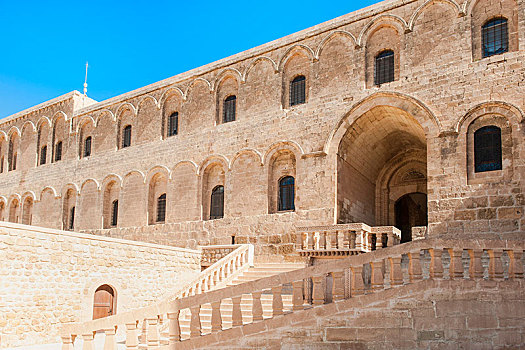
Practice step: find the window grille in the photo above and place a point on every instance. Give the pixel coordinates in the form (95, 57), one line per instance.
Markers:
(229, 109)
(58, 151)
(384, 67)
(126, 139)
(217, 203)
(87, 146)
(298, 90)
(487, 149)
(286, 193)
(71, 218)
(43, 155)
(495, 37)
(161, 208)
(114, 212)
(173, 124)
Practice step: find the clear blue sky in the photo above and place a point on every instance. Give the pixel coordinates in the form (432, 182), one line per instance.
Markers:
(45, 44)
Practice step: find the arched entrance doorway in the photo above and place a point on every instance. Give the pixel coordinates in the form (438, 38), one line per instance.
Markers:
(105, 302)
(410, 211)
(381, 157)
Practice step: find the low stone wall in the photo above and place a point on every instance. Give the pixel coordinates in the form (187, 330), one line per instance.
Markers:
(49, 277)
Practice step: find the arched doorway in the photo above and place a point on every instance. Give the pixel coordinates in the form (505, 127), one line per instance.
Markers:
(105, 302)
(410, 211)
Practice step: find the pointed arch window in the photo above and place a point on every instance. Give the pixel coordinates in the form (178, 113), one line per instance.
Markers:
(161, 208)
(173, 124)
(87, 146)
(384, 67)
(217, 203)
(298, 90)
(495, 37)
(114, 213)
(43, 155)
(287, 193)
(126, 136)
(487, 149)
(58, 151)
(229, 109)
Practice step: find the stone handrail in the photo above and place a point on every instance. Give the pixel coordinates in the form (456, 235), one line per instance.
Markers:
(215, 276)
(345, 239)
(435, 258)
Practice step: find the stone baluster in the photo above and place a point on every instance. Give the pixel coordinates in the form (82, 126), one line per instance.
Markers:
(496, 265)
(377, 279)
(109, 341)
(195, 323)
(396, 275)
(515, 264)
(297, 295)
(316, 240)
(236, 312)
(456, 263)
(238, 261)
(222, 273)
(338, 285)
(67, 342)
(359, 240)
(277, 301)
(339, 239)
(318, 290)
(153, 336)
(231, 269)
(348, 239)
(174, 327)
(390, 239)
(299, 241)
(88, 341)
(475, 267)
(216, 320)
(132, 337)
(414, 267)
(436, 264)
(358, 286)
(310, 240)
(257, 310)
(379, 241)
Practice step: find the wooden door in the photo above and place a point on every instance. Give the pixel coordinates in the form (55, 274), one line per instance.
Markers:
(104, 302)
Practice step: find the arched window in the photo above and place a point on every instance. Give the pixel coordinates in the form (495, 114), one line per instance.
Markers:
(126, 136)
(114, 212)
(2, 165)
(11, 157)
(384, 67)
(287, 193)
(228, 114)
(87, 146)
(58, 151)
(298, 90)
(173, 124)
(217, 203)
(161, 208)
(43, 155)
(14, 161)
(495, 37)
(71, 225)
(487, 149)
(105, 302)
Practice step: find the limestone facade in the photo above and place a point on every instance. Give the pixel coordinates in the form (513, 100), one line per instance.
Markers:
(354, 148)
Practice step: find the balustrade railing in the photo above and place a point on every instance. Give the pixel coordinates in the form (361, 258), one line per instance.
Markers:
(344, 239)
(435, 258)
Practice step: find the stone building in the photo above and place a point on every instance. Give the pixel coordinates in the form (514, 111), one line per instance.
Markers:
(405, 113)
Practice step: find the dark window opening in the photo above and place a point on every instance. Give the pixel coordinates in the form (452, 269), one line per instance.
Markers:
(114, 213)
(217, 203)
(58, 151)
(2, 165)
(11, 157)
(384, 67)
(298, 91)
(286, 193)
(87, 146)
(71, 218)
(487, 149)
(14, 162)
(233, 240)
(126, 137)
(229, 109)
(173, 124)
(43, 155)
(495, 37)
(161, 208)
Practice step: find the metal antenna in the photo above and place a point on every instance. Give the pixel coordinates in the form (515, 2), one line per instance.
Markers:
(85, 81)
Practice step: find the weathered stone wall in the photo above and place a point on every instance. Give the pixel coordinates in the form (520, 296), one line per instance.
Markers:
(49, 277)
(415, 129)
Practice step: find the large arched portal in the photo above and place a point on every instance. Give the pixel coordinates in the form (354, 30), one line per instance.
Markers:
(381, 158)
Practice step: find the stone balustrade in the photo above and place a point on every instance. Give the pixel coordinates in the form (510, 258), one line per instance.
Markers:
(435, 258)
(344, 239)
